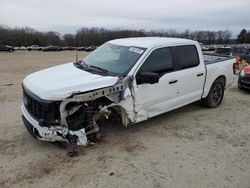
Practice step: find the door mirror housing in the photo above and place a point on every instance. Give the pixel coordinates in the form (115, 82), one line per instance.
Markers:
(147, 78)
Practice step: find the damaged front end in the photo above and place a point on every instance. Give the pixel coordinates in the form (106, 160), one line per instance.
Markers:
(74, 119)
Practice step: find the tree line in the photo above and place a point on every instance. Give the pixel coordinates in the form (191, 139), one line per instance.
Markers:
(244, 36)
(26, 36)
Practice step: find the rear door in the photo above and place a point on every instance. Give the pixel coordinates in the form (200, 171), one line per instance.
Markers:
(191, 73)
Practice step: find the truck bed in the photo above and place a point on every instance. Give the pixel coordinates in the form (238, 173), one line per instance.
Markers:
(217, 65)
(212, 58)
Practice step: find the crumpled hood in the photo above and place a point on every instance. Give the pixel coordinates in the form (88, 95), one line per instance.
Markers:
(61, 81)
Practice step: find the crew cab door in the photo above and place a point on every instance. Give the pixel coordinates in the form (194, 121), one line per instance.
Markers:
(190, 71)
(155, 88)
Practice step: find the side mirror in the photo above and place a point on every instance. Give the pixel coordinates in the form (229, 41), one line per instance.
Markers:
(147, 78)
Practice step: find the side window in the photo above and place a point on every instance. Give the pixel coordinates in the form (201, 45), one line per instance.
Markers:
(159, 61)
(185, 56)
(157, 64)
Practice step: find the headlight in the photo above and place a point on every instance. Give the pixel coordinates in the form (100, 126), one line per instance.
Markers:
(242, 73)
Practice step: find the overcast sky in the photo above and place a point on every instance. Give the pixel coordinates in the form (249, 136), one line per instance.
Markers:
(66, 16)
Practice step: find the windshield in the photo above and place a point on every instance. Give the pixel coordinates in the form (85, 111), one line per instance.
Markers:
(115, 59)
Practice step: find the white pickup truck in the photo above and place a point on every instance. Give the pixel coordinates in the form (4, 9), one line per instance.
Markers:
(131, 79)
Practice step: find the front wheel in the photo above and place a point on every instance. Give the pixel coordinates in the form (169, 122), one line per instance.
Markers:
(215, 95)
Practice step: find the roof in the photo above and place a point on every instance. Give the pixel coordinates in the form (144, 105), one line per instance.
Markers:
(149, 42)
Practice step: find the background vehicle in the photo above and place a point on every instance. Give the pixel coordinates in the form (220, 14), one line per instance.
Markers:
(69, 48)
(244, 78)
(6, 48)
(207, 48)
(20, 48)
(90, 48)
(52, 49)
(240, 53)
(223, 51)
(131, 79)
(82, 48)
(34, 47)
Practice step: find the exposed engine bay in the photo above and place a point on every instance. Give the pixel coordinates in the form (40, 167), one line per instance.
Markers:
(82, 111)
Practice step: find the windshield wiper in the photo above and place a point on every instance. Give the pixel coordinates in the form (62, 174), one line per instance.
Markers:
(101, 69)
(81, 65)
(84, 64)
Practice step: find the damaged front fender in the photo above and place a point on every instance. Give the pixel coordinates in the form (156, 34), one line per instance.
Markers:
(80, 100)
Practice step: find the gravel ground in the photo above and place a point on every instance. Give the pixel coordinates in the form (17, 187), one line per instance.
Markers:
(190, 147)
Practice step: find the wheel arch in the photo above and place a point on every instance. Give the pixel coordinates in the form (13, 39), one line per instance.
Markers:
(121, 112)
(216, 93)
(208, 87)
(223, 78)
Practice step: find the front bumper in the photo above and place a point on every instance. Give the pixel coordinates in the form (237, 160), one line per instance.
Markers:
(51, 134)
(242, 84)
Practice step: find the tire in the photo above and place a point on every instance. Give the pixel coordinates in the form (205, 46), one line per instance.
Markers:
(215, 95)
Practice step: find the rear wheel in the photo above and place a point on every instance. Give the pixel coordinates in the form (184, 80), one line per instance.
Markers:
(215, 95)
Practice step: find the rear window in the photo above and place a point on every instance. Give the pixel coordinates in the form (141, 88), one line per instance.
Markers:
(185, 56)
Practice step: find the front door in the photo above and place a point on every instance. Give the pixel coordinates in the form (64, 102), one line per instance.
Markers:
(152, 98)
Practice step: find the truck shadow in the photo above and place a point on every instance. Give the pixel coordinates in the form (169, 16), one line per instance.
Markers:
(117, 135)
(110, 127)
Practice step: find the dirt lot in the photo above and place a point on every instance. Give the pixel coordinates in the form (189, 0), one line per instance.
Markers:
(190, 147)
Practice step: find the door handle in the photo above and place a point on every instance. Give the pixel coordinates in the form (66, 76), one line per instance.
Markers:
(172, 81)
(200, 74)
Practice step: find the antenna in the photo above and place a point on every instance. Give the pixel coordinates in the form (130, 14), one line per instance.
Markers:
(76, 56)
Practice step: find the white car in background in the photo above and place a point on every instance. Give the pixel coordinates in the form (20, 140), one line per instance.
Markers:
(20, 48)
(35, 47)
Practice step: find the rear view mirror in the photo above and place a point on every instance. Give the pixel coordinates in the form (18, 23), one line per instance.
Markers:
(147, 78)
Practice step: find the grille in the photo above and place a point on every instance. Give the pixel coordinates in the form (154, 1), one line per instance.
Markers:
(45, 112)
(34, 107)
(246, 79)
(245, 84)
